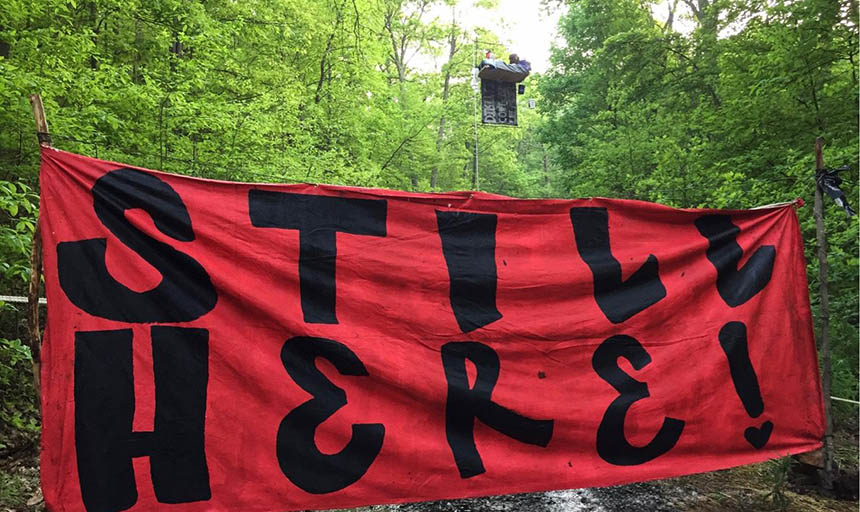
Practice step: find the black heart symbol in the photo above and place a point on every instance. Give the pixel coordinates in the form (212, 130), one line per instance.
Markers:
(758, 437)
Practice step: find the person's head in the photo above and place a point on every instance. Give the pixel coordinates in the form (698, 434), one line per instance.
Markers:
(514, 58)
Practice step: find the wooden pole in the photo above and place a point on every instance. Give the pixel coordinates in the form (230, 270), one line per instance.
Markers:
(36, 260)
(824, 317)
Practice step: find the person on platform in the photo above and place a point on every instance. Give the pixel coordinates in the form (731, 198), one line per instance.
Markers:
(514, 59)
(498, 70)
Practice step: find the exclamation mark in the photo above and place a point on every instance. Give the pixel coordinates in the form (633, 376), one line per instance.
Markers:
(733, 340)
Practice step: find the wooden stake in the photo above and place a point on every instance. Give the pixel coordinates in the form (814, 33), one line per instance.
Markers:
(41, 120)
(36, 260)
(824, 316)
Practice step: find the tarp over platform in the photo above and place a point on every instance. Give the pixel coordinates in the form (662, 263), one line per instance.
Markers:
(502, 72)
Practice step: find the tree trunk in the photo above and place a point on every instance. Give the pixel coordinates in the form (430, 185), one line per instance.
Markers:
(5, 48)
(545, 169)
(671, 18)
(94, 19)
(824, 317)
(707, 14)
(446, 89)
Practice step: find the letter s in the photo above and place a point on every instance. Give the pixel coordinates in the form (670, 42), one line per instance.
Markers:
(185, 292)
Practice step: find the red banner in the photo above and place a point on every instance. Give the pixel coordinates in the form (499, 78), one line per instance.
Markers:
(233, 346)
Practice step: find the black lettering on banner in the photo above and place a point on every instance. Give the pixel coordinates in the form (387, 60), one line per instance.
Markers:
(318, 220)
(733, 340)
(104, 411)
(735, 286)
(612, 445)
(618, 299)
(185, 292)
(464, 404)
(469, 246)
(299, 458)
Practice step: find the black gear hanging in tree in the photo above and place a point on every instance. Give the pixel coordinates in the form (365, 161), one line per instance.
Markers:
(828, 181)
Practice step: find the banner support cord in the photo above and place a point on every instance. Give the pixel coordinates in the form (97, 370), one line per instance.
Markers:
(36, 260)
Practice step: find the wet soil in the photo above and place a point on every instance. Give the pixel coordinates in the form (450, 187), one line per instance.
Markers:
(645, 497)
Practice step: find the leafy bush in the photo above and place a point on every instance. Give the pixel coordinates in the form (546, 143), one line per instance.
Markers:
(19, 412)
(18, 408)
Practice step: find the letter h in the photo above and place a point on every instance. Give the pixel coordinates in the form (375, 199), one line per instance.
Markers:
(104, 412)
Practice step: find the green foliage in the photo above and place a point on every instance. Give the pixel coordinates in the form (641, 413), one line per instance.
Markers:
(284, 90)
(12, 489)
(725, 116)
(779, 470)
(19, 488)
(18, 204)
(18, 411)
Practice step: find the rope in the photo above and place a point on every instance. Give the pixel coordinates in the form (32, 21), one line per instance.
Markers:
(20, 300)
(845, 400)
